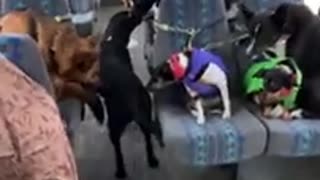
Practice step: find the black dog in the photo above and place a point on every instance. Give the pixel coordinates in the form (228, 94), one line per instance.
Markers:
(297, 22)
(125, 96)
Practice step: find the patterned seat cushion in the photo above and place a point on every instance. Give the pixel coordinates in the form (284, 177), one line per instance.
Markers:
(296, 138)
(49, 7)
(217, 142)
(24, 53)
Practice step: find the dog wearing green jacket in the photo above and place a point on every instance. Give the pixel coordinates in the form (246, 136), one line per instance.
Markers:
(273, 83)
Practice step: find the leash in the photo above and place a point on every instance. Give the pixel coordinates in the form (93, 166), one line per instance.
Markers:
(229, 41)
(193, 32)
(190, 32)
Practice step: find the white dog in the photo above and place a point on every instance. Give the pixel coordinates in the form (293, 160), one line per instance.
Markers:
(203, 75)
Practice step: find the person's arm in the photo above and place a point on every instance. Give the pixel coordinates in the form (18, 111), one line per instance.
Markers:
(35, 129)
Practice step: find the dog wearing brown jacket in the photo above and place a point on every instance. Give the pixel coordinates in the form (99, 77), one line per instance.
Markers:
(71, 59)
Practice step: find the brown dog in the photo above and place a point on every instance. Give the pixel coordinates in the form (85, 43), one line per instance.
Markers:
(72, 60)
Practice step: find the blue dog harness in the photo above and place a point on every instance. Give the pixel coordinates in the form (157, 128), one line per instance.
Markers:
(198, 63)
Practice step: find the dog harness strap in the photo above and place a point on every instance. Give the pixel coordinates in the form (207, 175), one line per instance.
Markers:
(200, 59)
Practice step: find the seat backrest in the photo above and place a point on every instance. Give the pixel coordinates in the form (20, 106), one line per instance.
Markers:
(49, 7)
(207, 14)
(81, 6)
(23, 51)
(190, 14)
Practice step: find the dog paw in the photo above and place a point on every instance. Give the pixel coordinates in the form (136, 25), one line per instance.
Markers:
(194, 112)
(200, 121)
(121, 174)
(153, 162)
(226, 115)
(296, 113)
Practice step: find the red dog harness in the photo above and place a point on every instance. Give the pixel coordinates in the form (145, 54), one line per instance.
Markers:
(176, 67)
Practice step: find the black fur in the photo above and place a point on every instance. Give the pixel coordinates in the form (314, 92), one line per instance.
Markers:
(267, 34)
(228, 3)
(95, 104)
(141, 7)
(125, 96)
(303, 28)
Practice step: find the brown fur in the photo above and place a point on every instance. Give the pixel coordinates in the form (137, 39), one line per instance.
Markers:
(72, 60)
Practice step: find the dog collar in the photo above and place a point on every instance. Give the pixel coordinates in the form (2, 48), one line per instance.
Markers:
(177, 69)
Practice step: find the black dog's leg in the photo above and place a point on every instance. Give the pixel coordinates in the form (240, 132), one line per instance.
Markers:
(82, 111)
(152, 159)
(96, 106)
(115, 136)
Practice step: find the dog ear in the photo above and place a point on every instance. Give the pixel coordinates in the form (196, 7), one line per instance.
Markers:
(62, 47)
(56, 41)
(281, 19)
(188, 53)
(62, 38)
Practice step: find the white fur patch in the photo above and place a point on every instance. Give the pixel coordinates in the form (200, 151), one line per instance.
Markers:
(133, 43)
(156, 12)
(131, 3)
(183, 59)
(213, 76)
(109, 38)
(286, 69)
